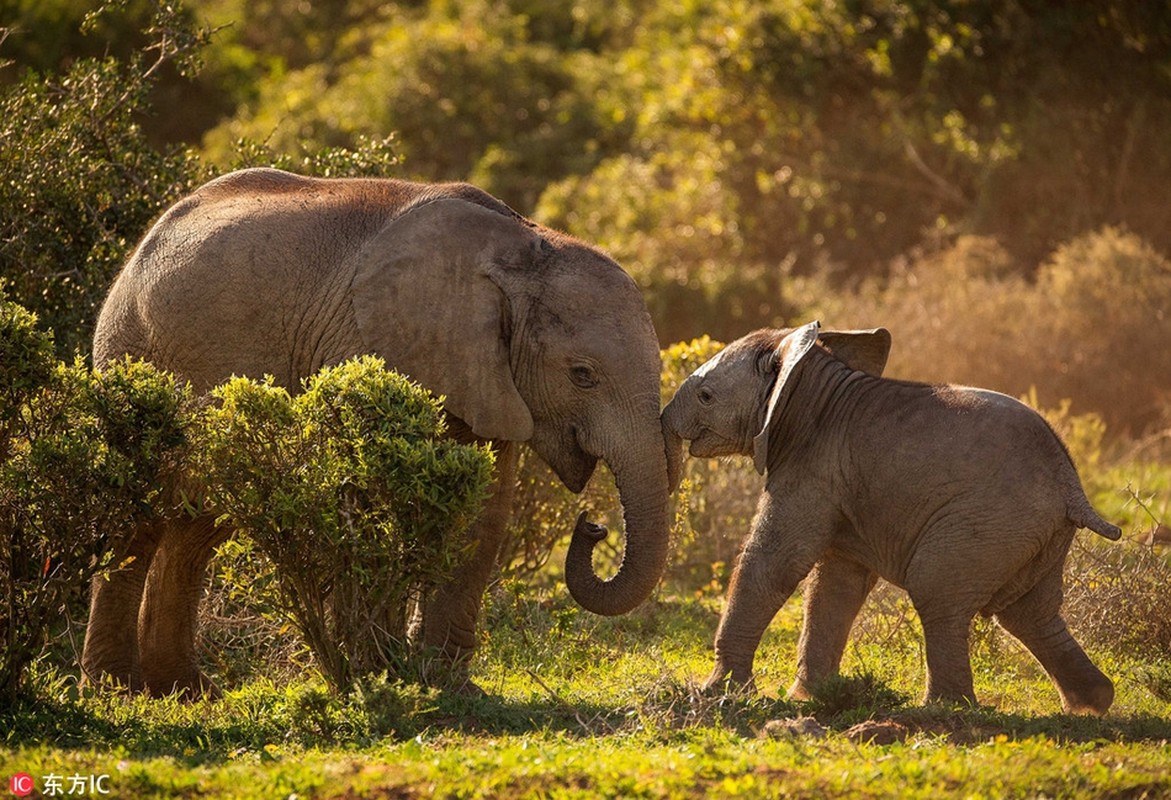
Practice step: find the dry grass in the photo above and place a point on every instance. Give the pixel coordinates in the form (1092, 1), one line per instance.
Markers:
(1091, 325)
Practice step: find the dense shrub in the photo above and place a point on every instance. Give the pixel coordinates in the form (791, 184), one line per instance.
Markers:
(83, 456)
(79, 180)
(352, 493)
(243, 630)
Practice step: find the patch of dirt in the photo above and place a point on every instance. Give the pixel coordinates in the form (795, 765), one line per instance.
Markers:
(890, 729)
(792, 728)
(878, 731)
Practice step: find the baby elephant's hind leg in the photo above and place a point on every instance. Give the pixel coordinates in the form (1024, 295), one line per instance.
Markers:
(949, 666)
(1035, 620)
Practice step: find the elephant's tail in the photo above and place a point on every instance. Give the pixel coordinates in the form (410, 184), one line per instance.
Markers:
(1079, 511)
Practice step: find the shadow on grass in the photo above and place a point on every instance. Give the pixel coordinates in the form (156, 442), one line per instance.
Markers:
(213, 732)
(866, 709)
(216, 731)
(979, 724)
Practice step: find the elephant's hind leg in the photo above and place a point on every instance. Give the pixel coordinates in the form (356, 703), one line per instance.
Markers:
(170, 608)
(111, 634)
(1035, 620)
(949, 665)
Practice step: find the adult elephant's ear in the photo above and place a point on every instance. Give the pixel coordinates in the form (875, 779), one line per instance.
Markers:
(790, 351)
(425, 300)
(861, 350)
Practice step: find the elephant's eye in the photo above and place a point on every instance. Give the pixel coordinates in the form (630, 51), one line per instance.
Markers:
(706, 396)
(583, 375)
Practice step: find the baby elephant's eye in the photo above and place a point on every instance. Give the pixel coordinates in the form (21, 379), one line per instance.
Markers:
(583, 375)
(705, 396)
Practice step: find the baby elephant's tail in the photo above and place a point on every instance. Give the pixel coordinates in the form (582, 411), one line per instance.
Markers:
(1079, 511)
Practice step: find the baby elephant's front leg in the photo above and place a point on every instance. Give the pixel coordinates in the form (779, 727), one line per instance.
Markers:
(768, 569)
(834, 594)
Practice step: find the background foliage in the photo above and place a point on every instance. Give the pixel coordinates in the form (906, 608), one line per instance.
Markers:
(749, 163)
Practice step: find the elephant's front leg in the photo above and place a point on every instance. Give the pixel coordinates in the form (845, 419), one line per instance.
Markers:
(834, 594)
(779, 552)
(451, 611)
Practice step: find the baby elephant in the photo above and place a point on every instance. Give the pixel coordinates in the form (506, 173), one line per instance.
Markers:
(963, 497)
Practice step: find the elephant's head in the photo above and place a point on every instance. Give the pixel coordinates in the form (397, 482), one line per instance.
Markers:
(532, 336)
(726, 406)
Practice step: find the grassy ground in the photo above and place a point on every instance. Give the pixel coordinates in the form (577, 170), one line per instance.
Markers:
(580, 706)
(584, 707)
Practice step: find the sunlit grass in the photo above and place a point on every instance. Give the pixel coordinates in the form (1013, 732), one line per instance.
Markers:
(580, 706)
(584, 706)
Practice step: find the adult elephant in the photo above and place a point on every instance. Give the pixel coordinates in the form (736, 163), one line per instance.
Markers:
(531, 335)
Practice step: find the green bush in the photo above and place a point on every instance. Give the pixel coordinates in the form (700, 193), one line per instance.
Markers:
(80, 181)
(83, 456)
(352, 493)
(243, 633)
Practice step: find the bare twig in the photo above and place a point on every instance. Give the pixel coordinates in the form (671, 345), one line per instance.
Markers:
(941, 185)
(1141, 504)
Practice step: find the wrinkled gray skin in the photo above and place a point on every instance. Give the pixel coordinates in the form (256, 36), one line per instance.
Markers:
(531, 335)
(963, 497)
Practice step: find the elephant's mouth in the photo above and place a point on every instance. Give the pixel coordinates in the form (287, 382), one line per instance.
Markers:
(572, 463)
(709, 444)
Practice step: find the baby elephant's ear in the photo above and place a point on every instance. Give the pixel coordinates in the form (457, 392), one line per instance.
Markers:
(790, 351)
(866, 351)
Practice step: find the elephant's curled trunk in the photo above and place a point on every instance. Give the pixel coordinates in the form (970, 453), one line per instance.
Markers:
(643, 490)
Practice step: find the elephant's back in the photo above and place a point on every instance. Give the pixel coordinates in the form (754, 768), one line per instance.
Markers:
(250, 274)
(240, 276)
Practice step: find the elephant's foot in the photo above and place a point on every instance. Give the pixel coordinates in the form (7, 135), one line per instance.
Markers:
(114, 673)
(952, 698)
(466, 688)
(1091, 697)
(800, 690)
(450, 674)
(729, 680)
(110, 658)
(188, 684)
